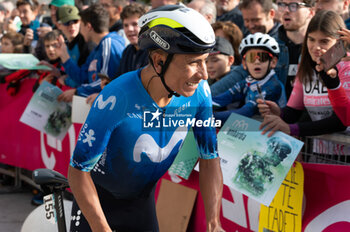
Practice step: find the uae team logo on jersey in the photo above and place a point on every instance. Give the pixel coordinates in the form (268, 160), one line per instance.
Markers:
(161, 119)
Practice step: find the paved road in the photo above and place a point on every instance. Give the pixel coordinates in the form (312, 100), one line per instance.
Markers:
(14, 208)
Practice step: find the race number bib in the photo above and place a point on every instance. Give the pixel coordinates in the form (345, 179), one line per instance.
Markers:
(49, 201)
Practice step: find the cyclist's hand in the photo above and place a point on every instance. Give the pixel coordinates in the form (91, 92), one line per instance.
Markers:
(268, 107)
(273, 123)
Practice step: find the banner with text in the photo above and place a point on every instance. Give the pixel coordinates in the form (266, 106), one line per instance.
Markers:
(285, 211)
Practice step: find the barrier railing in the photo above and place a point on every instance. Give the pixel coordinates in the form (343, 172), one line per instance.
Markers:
(327, 149)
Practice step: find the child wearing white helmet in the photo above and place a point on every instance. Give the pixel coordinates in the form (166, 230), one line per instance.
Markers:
(259, 57)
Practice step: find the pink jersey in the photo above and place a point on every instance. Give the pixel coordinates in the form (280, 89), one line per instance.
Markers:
(314, 95)
(341, 104)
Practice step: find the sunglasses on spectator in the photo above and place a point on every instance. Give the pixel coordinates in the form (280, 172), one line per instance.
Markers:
(250, 57)
(70, 22)
(293, 6)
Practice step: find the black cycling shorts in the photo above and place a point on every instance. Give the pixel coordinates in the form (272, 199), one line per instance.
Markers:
(127, 215)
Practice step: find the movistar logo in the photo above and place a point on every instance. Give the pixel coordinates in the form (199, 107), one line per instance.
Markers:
(101, 104)
(161, 42)
(146, 144)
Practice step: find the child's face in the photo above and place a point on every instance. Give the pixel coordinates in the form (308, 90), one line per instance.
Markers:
(257, 62)
(26, 14)
(6, 46)
(132, 29)
(218, 65)
(50, 49)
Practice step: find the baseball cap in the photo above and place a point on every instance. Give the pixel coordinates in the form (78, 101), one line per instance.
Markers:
(60, 3)
(222, 46)
(67, 13)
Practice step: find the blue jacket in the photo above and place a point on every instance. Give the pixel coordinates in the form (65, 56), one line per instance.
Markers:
(79, 51)
(246, 91)
(238, 73)
(105, 59)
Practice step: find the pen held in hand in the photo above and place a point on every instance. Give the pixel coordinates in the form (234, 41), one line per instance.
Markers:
(260, 93)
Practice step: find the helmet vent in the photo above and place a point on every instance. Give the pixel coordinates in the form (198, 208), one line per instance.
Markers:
(190, 35)
(258, 41)
(266, 41)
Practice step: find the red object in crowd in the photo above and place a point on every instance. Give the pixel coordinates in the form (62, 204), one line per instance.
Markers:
(15, 78)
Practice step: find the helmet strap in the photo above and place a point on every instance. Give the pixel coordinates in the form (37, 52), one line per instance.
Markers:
(162, 73)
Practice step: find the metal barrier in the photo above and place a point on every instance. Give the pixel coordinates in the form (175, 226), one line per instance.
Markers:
(327, 149)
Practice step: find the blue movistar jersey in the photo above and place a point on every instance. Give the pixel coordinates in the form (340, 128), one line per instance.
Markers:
(129, 142)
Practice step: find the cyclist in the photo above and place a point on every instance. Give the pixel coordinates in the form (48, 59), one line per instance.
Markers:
(123, 148)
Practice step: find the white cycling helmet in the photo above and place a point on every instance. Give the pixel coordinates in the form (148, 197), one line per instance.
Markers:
(176, 29)
(259, 40)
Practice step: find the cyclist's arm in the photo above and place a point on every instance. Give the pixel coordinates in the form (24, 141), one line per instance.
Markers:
(210, 176)
(86, 196)
(92, 142)
(211, 184)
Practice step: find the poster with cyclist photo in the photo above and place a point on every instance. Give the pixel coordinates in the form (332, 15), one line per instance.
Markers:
(252, 163)
(46, 114)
